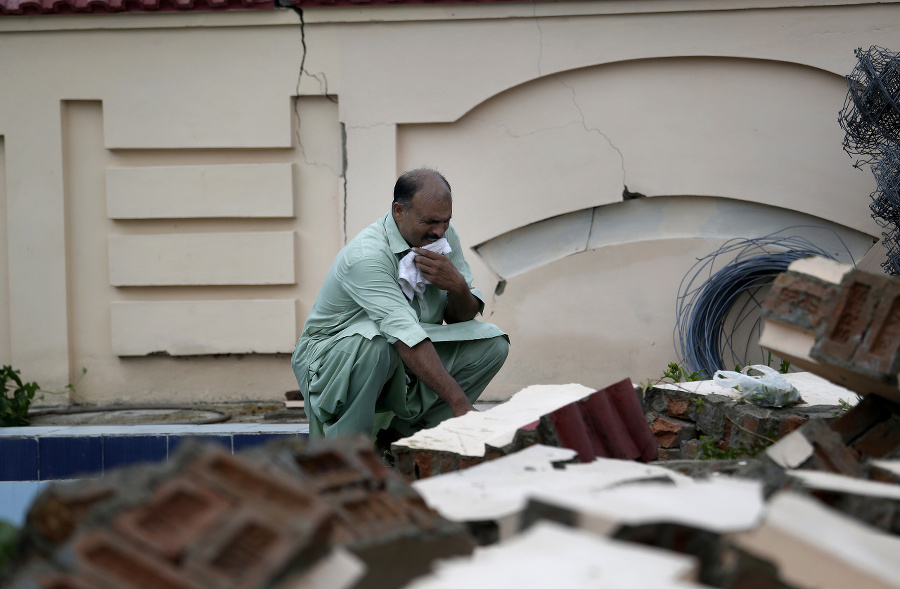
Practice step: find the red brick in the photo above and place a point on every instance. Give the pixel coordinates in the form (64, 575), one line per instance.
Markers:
(55, 515)
(119, 564)
(179, 512)
(847, 325)
(881, 440)
(367, 516)
(424, 463)
(789, 425)
(249, 549)
(800, 300)
(829, 452)
(871, 410)
(70, 582)
(329, 469)
(670, 432)
(880, 351)
(678, 407)
(275, 493)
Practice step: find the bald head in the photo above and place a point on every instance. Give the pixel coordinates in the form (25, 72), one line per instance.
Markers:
(427, 183)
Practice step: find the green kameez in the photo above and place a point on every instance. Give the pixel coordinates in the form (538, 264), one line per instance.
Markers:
(345, 362)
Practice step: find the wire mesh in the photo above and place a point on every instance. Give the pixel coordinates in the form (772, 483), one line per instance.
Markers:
(871, 113)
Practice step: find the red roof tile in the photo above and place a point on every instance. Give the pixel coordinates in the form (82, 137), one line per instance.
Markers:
(34, 7)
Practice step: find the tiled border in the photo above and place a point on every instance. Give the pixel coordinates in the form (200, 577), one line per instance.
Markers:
(59, 453)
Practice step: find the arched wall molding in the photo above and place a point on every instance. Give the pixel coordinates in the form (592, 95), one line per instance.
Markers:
(661, 218)
(622, 62)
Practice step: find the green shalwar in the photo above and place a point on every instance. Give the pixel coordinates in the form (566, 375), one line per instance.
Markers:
(345, 361)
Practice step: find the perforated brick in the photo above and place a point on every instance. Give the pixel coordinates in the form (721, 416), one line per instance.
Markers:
(178, 514)
(800, 300)
(116, 562)
(845, 328)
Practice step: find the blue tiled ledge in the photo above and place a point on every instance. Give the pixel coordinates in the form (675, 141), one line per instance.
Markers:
(55, 453)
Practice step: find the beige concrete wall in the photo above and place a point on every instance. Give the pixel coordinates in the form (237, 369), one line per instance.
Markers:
(172, 190)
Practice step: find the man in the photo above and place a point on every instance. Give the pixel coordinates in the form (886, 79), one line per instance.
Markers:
(366, 348)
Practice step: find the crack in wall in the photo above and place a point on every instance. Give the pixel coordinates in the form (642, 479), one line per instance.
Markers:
(608, 140)
(320, 77)
(512, 134)
(537, 23)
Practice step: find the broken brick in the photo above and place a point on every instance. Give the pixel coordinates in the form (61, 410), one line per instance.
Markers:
(179, 513)
(879, 353)
(844, 330)
(800, 300)
(670, 432)
(250, 548)
(60, 510)
(117, 563)
(881, 441)
(678, 407)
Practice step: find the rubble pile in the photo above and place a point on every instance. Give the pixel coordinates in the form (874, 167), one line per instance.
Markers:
(606, 423)
(559, 485)
(290, 515)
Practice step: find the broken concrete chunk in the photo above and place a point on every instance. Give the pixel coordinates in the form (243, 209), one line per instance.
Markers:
(871, 502)
(548, 555)
(607, 423)
(717, 505)
(816, 547)
(494, 493)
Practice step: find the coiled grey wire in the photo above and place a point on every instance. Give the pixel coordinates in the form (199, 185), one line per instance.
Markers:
(704, 305)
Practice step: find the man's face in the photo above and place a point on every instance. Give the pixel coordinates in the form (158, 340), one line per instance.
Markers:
(426, 220)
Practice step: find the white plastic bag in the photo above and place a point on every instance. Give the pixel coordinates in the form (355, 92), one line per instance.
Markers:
(769, 390)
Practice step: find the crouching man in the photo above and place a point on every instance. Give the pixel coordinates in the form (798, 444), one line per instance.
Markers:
(381, 340)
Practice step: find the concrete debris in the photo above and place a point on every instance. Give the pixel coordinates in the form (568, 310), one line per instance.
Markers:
(549, 555)
(813, 546)
(325, 514)
(606, 423)
(490, 497)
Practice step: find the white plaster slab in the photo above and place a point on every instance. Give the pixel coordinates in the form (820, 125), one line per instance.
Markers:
(340, 569)
(252, 257)
(184, 328)
(790, 452)
(814, 390)
(892, 466)
(816, 547)
(720, 505)
(178, 192)
(468, 434)
(500, 488)
(822, 268)
(549, 555)
(829, 481)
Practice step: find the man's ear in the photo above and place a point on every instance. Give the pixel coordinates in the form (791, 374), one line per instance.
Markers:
(396, 210)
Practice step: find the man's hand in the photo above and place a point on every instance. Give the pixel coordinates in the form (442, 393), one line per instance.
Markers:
(423, 360)
(462, 305)
(440, 271)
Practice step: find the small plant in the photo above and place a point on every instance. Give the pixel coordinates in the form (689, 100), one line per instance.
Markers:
(700, 403)
(15, 399)
(9, 536)
(680, 374)
(709, 450)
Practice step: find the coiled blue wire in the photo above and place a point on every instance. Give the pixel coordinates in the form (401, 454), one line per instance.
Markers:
(702, 333)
